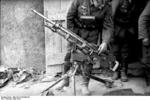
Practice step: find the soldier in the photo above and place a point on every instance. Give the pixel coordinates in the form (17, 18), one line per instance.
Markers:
(124, 34)
(144, 35)
(88, 19)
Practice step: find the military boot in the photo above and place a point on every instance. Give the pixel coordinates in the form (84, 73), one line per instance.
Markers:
(123, 76)
(84, 89)
(123, 71)
(84, 85)
(147, 91)
(115, 75)
(148, 83)
(63, 83)
(147, 75)
(86, 69)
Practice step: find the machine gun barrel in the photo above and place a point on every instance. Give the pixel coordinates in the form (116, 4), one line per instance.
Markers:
(69, 35)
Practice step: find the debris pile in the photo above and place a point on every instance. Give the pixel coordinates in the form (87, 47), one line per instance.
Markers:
(5, 76)
(22, 76)
(17, 75)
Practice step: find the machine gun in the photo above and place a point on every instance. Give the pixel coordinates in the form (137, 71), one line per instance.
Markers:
(91, 50)
(81, 44)
(85, 47)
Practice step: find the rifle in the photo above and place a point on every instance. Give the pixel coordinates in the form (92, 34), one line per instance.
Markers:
(91, 50)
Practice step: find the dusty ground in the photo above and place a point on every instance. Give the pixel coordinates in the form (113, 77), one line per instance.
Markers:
(136, 84)
(97, 88)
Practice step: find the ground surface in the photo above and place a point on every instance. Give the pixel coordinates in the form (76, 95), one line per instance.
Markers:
(30, 88)
(97, 88)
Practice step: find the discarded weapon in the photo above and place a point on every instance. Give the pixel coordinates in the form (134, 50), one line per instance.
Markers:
(91, 50)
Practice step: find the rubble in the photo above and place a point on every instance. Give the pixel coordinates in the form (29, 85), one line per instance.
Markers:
(5, 76)
(22, 76)
(17, 75)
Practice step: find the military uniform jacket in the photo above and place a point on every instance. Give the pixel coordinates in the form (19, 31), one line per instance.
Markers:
(144, 22)
(125, 18)
(144, 32)
(90, 29)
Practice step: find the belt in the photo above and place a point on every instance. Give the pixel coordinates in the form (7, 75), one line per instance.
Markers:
(89, 27)
(81, 24)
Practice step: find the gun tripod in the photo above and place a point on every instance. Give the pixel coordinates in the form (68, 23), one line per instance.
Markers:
(72, 73)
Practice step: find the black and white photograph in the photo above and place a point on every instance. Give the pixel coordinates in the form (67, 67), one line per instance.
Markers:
(74, 48)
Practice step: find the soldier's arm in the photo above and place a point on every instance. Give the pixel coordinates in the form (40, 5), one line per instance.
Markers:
(114, 4)
(71, 15)
(107, 26)
(144, 23)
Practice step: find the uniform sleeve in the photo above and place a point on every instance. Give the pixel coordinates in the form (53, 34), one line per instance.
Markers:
(107, 26)
(144, 23)
(71, 15)
(114, 4)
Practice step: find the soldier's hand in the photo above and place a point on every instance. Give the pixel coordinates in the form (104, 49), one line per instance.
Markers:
(102, 47)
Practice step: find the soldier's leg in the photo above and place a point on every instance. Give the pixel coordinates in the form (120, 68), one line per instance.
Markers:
(148, 79)
(116, 53)
(146, 62)
(147, 72)
(144, 24)
(66, 68)
(124, 63)
(86, 69)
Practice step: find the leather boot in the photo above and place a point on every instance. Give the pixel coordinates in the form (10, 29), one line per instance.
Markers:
(115, 75)
(123, 71)
(84, 89)
(86, 69)
(147, 75)
(147, 91)
(123, 76)
(84, 85)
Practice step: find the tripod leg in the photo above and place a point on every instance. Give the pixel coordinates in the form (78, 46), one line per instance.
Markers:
(54, 84)
(75, 64)
(107, 83)
(74, 85)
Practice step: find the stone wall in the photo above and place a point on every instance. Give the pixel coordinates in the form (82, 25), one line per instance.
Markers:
(22, 35)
